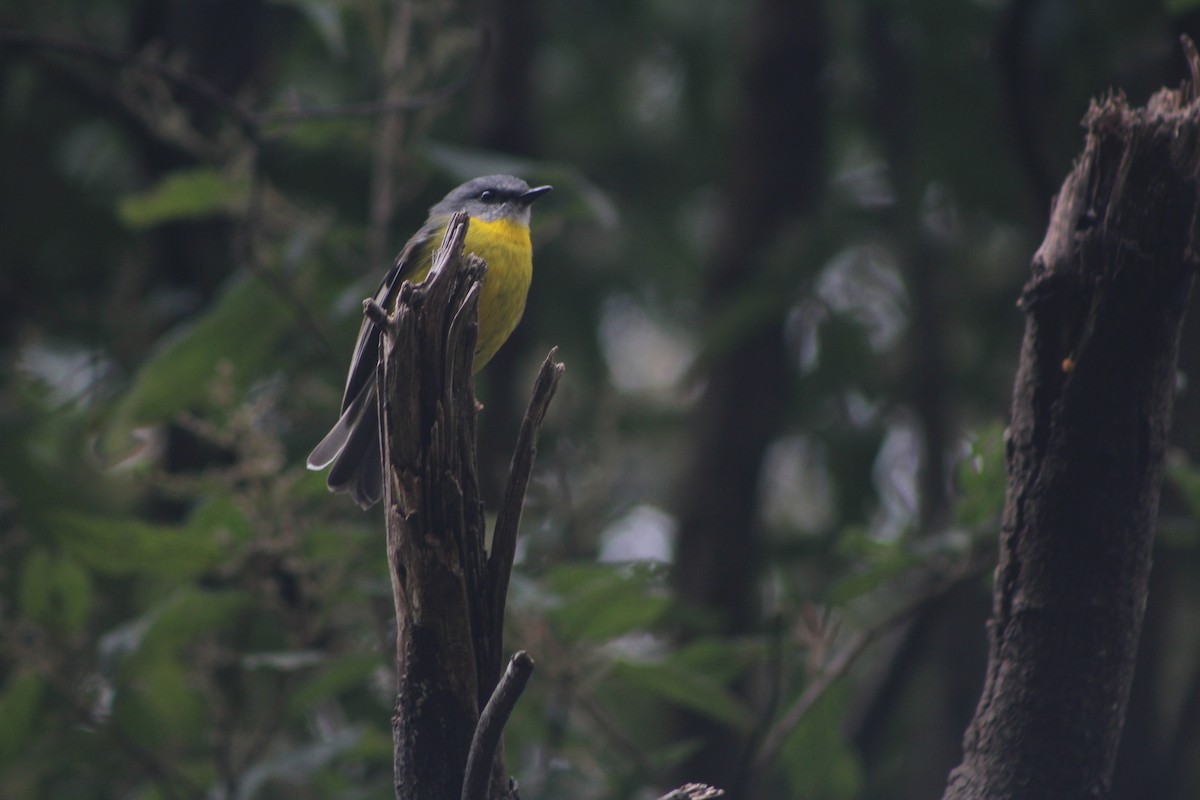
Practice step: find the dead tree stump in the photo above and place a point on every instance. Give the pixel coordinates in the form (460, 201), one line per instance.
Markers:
(1091, 411)
(449, 590)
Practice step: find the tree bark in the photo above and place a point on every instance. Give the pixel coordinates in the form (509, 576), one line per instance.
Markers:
(1090, 415)
(449, 592)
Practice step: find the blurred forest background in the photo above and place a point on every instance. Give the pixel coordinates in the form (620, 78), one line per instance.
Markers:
(781, 265)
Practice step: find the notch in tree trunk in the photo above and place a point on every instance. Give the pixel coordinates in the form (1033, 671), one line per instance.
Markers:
(1085, 448)
(448, 593)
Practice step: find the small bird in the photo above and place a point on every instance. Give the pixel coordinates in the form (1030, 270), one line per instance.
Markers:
(498, 233)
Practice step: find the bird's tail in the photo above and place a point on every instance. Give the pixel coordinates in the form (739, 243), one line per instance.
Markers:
(352, 447)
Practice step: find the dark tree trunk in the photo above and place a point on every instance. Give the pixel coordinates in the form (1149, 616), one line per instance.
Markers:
(1090, 416)
(502, 104)
(449, 592)
(502, 111)
(435, 529)
(775, 177)
(938, 647)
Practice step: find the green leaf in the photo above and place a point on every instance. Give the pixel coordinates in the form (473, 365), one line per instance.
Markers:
(19, 702)
(982, 479)
(1180, 6)
(221, 518)
(345, 673)
(815, 756)
(869, 579)
(36, 601)
(130, 546)
(74, 585)
(1186, 478)
(603, 602)
(719, 658)
(235, 340)
(876, 563)
(690, 689)
(326, 19)
(1182, 531)
(191, 612)
(157, 701)
(187, 194)
(56, 592)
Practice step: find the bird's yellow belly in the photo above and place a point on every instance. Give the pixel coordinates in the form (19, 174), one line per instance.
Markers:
(506, 248)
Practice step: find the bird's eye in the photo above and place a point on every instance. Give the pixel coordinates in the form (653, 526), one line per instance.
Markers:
(487, 196)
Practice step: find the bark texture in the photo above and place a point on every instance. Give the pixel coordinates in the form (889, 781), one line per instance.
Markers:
(449, 592)
(1090, 416)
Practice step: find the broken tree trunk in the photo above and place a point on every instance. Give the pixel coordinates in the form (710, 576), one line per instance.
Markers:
(1085, 448)
(449, 591)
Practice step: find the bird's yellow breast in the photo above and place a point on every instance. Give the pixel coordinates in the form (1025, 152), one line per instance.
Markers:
(506, 248)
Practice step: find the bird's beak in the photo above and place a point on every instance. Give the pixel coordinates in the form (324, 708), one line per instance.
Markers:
(535, 193)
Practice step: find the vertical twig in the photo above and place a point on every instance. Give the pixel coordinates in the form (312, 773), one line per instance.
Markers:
(495, 716)
(508, 518)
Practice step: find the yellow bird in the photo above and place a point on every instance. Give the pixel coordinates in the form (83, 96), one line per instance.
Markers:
(498, 233)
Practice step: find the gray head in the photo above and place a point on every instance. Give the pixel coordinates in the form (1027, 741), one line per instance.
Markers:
(490, 198)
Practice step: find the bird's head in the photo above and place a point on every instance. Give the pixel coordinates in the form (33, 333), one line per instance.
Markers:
(491, 198)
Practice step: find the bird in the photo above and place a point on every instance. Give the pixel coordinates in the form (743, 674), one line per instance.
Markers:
(498, 232)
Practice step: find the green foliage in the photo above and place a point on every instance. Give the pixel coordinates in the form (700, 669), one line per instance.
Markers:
(602, 602)
(339, 676)
(982, 479)
(1186, 478)
(224, 351)
(20, 702)
(819, 762)
(189, 194)
(876, 563)
(172, 641)
(185, 611)
(688, 688)
(1183, 533)
(130, 546)
(188, 614)
(55, 592)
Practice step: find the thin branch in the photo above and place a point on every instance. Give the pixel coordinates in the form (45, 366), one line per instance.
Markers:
(247, 121)
(833, 670)
(376, 108)
(368, 108)
(508, 519)
(177, 77)
(491, 725)
(841, 662)
(774, 680)
(250, 122)
(245, 252)
(374, 311)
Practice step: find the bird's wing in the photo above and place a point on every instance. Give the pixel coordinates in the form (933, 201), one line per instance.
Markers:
(366, 349)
